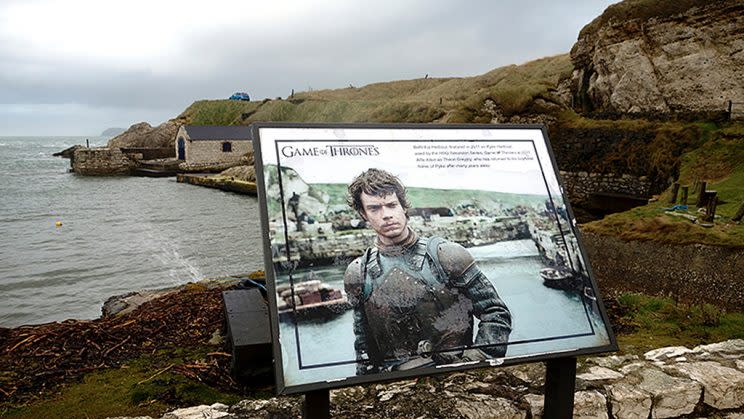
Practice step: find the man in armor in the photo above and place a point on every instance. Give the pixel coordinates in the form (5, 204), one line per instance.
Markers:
(415, 298)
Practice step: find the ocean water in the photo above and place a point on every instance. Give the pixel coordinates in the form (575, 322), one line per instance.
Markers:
(118, 234)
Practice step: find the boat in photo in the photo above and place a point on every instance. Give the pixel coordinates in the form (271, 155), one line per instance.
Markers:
(559, 278)
(311, 299)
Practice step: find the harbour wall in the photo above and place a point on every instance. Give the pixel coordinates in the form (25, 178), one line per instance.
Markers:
(693, 273)
(103, 161)
(583, 187)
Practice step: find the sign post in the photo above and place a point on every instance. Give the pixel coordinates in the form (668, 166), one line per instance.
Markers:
(317, 405)
(560, 383)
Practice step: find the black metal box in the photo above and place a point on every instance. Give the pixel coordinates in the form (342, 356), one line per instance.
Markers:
(249, 335)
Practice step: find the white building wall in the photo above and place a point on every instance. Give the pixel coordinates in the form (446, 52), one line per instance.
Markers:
(211, 151)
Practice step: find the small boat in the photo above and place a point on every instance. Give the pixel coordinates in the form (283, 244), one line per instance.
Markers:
(562, 279)
(310, 300)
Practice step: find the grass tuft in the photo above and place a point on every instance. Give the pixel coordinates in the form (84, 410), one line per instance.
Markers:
(652, 322)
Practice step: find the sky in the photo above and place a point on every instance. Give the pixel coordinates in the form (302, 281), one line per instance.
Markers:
(77, 67)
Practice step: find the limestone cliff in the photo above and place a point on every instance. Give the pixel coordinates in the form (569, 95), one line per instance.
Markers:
(145, 135)
(669, 57)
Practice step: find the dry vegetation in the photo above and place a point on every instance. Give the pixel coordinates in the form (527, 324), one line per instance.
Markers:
(513, 89)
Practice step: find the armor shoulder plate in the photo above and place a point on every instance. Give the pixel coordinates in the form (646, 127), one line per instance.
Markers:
(354, 281)
(454, 259)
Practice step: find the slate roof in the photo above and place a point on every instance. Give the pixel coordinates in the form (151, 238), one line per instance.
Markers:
(218, 132)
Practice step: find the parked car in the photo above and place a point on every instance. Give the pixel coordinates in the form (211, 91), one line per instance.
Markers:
(240, 96)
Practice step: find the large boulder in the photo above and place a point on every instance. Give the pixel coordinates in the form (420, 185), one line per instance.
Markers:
(481, 406)
(674, 57)
(628, 402)
(724, 387)
(146, 136)
(590, 405)
(672, 397)
(244, 173)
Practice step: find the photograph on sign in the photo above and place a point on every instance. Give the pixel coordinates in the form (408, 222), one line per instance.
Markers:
(397, 251)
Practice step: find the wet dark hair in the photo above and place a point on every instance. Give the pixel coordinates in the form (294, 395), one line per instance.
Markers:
(375, 182)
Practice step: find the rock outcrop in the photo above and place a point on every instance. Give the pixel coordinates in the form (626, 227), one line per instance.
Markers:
(143, 135)
(669, 57)
(708, 381)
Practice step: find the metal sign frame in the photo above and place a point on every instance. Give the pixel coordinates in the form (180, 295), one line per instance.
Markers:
(316, 141)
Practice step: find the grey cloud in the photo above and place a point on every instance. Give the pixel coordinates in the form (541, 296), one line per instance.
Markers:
(359, 44)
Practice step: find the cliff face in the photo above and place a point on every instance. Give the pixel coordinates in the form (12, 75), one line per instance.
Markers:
(685, 56)
(145, 135)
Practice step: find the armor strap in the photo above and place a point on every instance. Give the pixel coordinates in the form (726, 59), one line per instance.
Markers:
(416, 261)
(432, 249)
(371, 266)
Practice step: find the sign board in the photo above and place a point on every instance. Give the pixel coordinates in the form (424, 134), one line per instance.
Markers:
(397, 251)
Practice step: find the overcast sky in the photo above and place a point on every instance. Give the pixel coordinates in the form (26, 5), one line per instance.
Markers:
(77, 67)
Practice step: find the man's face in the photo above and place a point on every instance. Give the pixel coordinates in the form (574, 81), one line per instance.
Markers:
(386, 216)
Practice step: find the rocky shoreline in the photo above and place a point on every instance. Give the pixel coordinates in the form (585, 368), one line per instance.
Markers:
(672, 382)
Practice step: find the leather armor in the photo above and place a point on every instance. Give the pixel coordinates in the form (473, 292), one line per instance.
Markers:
(418, 307)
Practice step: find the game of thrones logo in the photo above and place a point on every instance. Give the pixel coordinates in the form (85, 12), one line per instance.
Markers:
(330, 151)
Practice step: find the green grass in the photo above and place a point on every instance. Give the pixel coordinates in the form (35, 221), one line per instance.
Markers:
(720, 162)
(142, 387)
(449, 198)
(217, 112)
(651, 223)
(652, 322)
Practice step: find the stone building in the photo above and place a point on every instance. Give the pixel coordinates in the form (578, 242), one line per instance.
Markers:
(212, 144)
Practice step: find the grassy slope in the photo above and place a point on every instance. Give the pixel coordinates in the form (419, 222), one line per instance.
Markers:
(643, 323)
(143, 386)
(513, 88)
(720, 162)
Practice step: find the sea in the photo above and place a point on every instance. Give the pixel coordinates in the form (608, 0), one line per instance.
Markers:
(69, 242)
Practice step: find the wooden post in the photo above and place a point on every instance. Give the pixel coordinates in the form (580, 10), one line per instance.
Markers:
(317, 405)
(739, 214)
(730, 109)
(701, 195)
(560, 383)
(683, 198)
(675, 189)
(710, 207)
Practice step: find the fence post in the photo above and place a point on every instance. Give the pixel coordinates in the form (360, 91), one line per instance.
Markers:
(683, 198)
(701, 195)
(730, 109)
(711, 203)
(675, 190)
